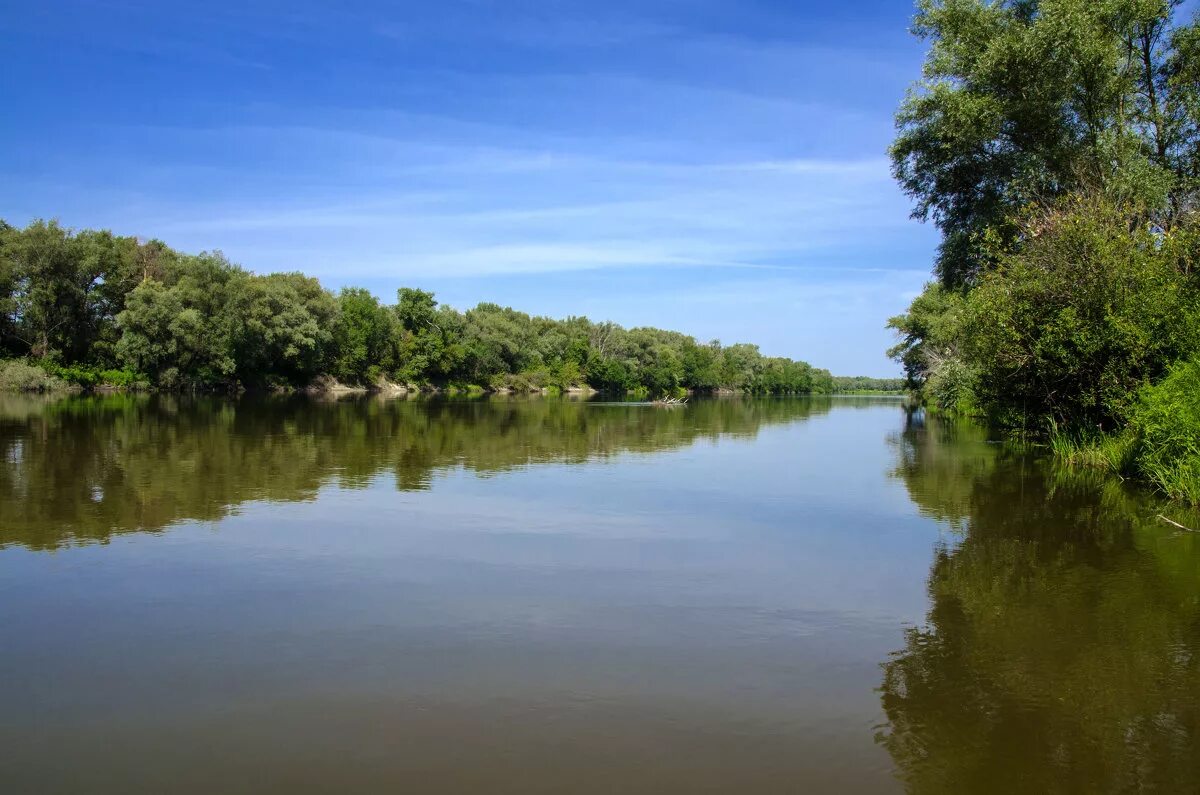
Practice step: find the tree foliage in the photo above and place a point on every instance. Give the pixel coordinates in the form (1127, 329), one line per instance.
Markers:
(1089, 311)
(1024, 101)
(93, 300)
(1056, 144)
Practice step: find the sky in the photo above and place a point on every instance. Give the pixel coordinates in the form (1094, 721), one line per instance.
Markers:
(717, 167)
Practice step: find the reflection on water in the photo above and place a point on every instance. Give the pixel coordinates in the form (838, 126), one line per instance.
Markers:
(293, 596)
(1062, 649)
(82, 469)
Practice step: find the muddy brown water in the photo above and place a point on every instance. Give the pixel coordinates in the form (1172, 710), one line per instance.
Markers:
(555, 596)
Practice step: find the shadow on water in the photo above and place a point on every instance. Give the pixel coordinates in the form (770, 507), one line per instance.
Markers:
(81, 469)
(1061, 652)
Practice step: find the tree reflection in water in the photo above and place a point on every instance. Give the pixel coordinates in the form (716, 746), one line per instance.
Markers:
(82, 469)
(1061, 652)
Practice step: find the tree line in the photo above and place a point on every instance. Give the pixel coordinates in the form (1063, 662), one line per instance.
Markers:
(91, 306)
(1056, 145)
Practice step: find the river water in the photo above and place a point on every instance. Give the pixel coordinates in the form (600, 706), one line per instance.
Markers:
(550, 596)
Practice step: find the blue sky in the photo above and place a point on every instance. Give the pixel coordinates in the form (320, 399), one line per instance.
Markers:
(714, 167)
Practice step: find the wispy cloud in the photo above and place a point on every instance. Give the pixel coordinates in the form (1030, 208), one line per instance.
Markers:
(636, 159)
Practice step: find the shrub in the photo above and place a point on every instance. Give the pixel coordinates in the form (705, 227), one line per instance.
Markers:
(950, 385)
(529, 381)
(21, 376)
(126, 379)
(91, 377)
(1167, 421)
(1094, 305)
(930, 332)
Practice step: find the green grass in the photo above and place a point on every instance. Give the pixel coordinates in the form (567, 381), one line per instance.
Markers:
(1112, 453)
(1180, 481)
(1161, 446)
(1167, 420)
(1128, 455)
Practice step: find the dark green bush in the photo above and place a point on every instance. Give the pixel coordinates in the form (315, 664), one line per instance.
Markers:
(1093, 307)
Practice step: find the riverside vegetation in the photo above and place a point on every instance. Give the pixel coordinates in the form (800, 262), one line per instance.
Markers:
(92, 308)
(1056, 145)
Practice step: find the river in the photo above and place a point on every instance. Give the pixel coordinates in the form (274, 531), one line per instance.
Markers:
(551, 596)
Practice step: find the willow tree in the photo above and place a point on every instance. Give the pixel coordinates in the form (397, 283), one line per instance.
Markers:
(1023, 101)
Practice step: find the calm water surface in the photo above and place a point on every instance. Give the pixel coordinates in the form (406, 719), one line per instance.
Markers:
(825, 595)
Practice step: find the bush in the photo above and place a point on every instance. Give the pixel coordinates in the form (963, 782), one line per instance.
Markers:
(1167, 421)
(950, 385)
(930, 332)
(85, 377)
(125, 379)
(519, 383)
(21, 376)
(91, 377)
(1096, 304)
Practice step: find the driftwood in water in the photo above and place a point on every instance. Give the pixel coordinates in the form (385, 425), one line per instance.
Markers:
(1177, 524)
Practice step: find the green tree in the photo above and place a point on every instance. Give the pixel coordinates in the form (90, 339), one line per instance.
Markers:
(60, 291)
(739, 364)
(931, 349)
(47, 294)
(151, 339)
(1025, 100)
(431, 347)
(701, 366)
(415, 309)
(607, 374)
(498, 341)
(281, 328)
(365, 337)
(9, 343)
(89, 300)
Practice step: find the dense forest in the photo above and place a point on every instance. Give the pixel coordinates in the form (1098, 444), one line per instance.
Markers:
(92, 307)
(1056, 145)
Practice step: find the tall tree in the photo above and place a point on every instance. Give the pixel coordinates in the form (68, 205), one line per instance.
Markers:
(1024, 100)
(364, 336)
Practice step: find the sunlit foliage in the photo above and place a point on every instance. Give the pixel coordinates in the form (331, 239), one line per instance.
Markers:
(93, 302)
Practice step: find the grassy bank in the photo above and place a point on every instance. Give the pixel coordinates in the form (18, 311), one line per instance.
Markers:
(1160, 443)
(1129, 457)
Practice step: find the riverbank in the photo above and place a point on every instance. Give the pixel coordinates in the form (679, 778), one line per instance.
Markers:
(19, 375)
(330, 386)
(1156, 443)
(22, 375)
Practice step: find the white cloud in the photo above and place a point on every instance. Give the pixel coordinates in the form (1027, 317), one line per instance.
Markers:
(366, 205)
